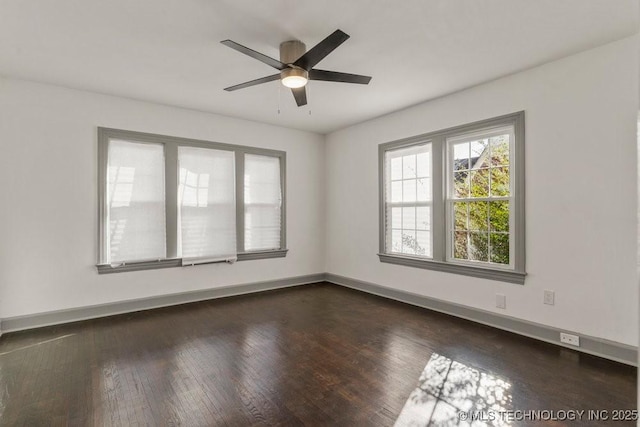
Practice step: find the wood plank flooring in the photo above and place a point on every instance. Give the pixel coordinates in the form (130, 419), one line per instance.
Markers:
(311, 355)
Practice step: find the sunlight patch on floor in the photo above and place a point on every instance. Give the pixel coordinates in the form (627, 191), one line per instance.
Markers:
(448, 388)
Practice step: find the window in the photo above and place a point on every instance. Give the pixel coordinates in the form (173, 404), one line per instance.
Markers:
(479, 197)
(207, 201)
(135, 196)
(166, 202)
(453, 200)
(262, 201)
(408, 208)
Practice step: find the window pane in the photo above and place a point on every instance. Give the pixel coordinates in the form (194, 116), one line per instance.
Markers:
(396, 191)
(263, 202)
(409, 169)
(396, 241)
(500, 248)
(460, 245)
(262, 227)
(409, 218)
(423, 240)
(500, 181)
(409, 242)
(424, 164)
(262, 179)
(423, 218)
(409, 190)
(461, 156)
(423, 189)
(499, 216)
(480, 183)
(479, 153)
(478, 246)
(135, 202)
(207, 203)
(461, 184)
(396, 217)
(478, 215)
(460, 214)
(500, 150)
(396, 168)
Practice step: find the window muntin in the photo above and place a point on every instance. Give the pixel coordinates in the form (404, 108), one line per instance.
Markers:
(135, 202)
(408, 197)
(480, 198)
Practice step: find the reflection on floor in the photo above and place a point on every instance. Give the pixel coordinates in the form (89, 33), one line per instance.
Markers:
(448, 388)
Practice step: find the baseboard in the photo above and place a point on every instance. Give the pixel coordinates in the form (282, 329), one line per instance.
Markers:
(18, 323)
(612, 350)
(592, 345)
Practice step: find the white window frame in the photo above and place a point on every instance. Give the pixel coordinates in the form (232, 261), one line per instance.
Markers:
(442, 215)
(389, 205)
(171, 145)
(449, 200)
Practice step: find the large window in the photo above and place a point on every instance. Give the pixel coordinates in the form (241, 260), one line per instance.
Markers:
(453, 200)
(167, 201)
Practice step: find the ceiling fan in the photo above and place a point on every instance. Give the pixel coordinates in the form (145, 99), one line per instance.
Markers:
(296, 65)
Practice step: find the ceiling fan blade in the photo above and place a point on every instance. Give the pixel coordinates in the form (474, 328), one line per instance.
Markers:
(322, 49)
(253, 82)
(255, 55)
(334, 76)
(300, 94)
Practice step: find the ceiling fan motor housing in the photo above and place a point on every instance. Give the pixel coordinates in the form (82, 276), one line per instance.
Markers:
(290, 51)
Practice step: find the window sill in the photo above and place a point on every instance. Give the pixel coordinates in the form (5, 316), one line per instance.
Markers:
(510, 276)
(177, 262)
(274, 253)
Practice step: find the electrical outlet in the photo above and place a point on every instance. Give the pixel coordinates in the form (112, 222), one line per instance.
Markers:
(501, 301)
(570, 339)
(549, 297)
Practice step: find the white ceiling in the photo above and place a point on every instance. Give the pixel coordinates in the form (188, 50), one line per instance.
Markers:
(168, 51)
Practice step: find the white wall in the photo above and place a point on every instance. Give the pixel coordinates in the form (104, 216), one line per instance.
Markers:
(48, 213)
(580, 193)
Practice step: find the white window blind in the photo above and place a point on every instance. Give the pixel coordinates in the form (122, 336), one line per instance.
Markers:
(207, 205)
(262, 202)
(166, 201)
(408, 201)
(135, 202)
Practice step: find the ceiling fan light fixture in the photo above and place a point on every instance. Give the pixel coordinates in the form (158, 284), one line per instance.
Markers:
(294, 77)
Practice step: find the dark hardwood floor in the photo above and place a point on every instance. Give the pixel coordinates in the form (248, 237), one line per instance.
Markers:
(311, 355)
